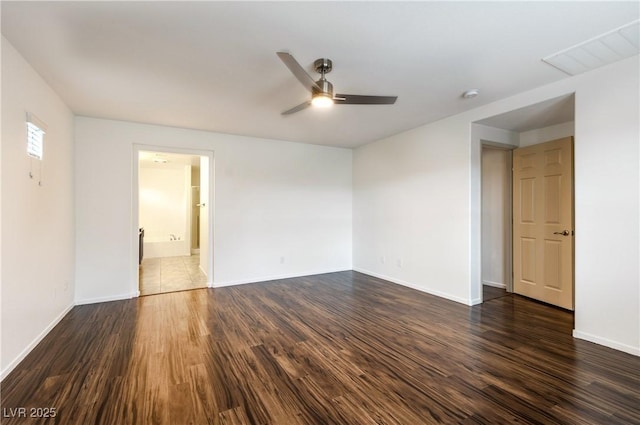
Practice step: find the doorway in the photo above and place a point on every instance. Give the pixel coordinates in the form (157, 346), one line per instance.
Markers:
(496, 221)
(527, 222)
(172, 218)
(530, 125)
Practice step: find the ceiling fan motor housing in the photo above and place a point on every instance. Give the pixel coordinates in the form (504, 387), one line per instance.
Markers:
(323, 65)
(324, 87)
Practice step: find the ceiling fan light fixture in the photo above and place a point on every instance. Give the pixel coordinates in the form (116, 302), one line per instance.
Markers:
(322, 100)
(322, 90)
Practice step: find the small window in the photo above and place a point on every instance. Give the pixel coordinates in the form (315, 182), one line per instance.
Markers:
(36, 130)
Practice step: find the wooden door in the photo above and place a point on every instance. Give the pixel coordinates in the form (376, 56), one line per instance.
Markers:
(543, 222)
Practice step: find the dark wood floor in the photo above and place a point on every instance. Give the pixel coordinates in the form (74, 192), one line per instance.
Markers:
(491, 292)
(340, 348)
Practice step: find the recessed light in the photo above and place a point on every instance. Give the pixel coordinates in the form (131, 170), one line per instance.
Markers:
(471, 93)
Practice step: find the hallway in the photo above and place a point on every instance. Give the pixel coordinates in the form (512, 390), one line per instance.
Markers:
(170, 274)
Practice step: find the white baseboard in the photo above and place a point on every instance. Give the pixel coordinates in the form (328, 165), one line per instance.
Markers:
(607, 342)
(494, 284)
(419, 288)
(7, 370)
(274, 277)
(107, 299)
(475, 301)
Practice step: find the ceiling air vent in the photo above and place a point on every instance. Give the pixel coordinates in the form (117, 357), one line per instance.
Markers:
(602, 50)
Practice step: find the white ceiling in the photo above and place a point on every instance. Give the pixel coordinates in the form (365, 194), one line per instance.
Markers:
(212, 65)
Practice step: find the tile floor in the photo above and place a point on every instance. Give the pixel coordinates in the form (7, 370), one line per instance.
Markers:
(170, 274)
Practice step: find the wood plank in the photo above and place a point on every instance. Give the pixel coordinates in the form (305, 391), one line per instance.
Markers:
(335, 348)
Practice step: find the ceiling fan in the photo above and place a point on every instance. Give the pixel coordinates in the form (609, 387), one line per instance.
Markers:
(322, 90)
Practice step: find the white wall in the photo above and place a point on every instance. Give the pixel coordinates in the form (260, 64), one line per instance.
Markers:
(37, 221)
(607, 185)
(163, 199)
(416, 197)
(411, 209)
(280, 209)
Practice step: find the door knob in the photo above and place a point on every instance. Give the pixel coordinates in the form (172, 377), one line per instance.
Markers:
(563, 233)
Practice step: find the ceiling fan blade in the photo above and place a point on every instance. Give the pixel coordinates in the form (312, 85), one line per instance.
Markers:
(295, 109)
(355, 99)
(297, 70)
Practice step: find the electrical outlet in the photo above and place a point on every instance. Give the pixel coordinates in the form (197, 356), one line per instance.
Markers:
(383, 259)
(281, 260)
(399, 263)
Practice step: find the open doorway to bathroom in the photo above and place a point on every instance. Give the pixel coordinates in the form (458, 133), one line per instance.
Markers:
(173, 221)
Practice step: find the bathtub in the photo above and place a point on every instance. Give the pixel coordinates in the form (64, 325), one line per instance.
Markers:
(155, 248)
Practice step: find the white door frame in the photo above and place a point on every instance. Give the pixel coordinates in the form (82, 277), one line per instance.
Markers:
(135, 213)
